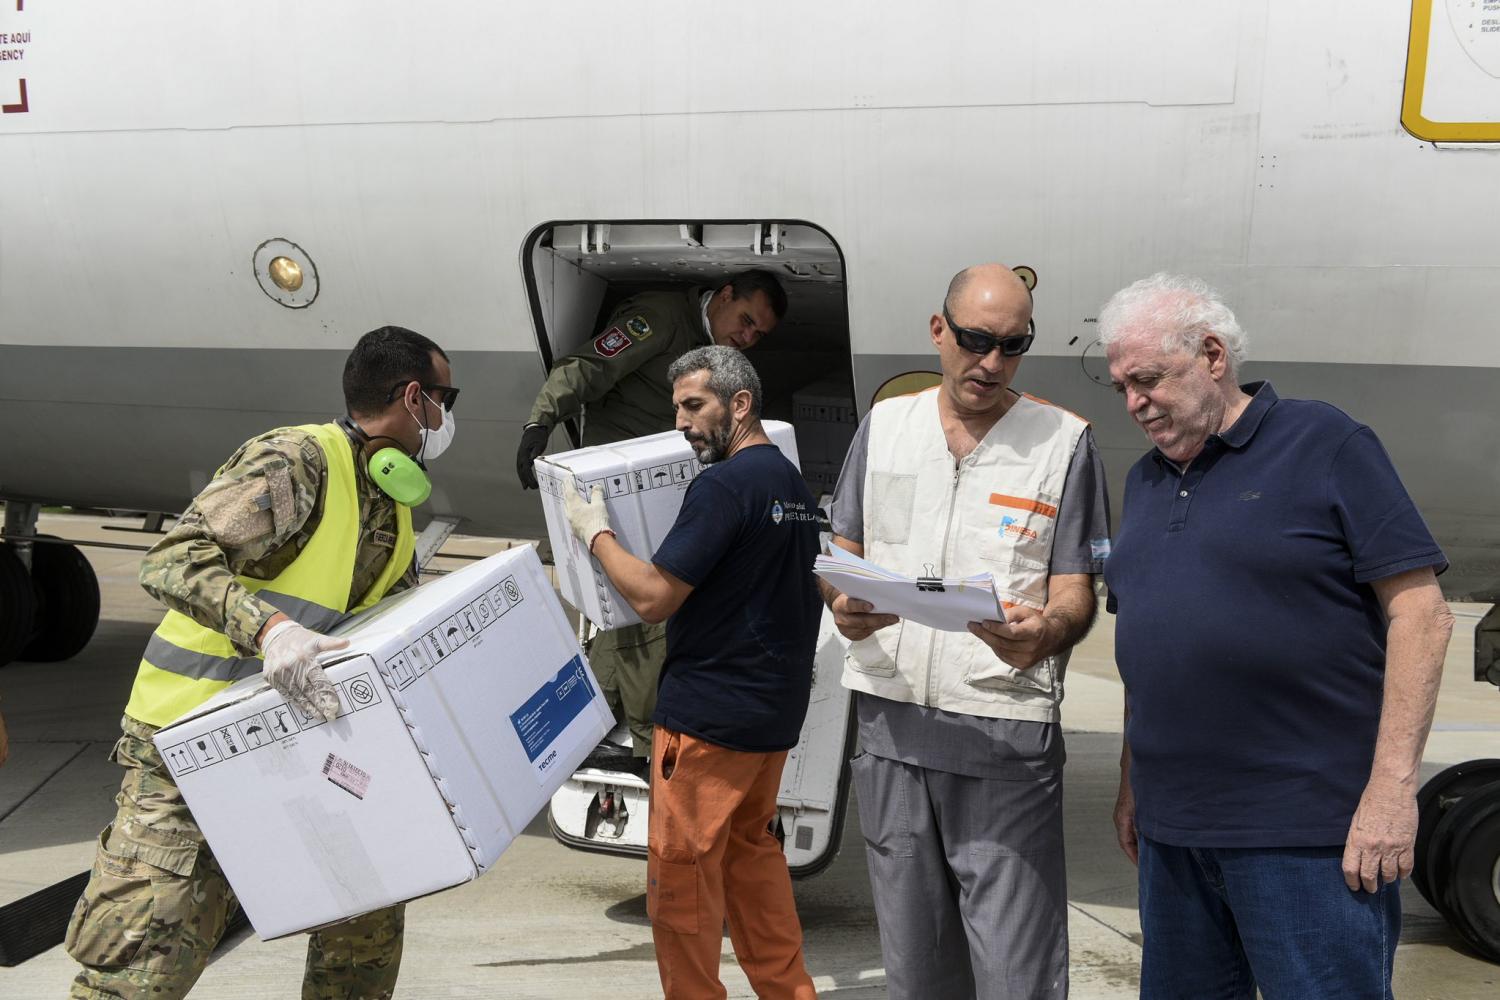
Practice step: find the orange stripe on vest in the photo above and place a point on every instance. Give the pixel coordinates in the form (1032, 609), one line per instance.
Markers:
(1021, 503)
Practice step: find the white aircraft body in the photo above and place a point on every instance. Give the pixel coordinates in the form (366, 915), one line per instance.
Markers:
(493, 175)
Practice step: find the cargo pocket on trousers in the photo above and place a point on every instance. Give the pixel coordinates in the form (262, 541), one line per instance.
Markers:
(140, 889)
(880, 790)
(672, 891)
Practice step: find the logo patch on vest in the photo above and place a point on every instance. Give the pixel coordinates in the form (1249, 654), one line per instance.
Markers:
(385, 539)
(611, 342)
(1011, 526)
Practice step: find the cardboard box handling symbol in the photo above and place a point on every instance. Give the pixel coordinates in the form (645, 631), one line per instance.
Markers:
(644, 480)
(463, 705)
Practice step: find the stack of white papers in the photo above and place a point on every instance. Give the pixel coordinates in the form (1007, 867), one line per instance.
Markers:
(943, 604)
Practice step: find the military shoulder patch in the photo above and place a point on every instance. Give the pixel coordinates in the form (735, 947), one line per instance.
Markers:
(611, 342)
(639, 328)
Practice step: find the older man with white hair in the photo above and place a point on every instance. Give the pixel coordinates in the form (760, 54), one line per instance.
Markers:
(1280, 633)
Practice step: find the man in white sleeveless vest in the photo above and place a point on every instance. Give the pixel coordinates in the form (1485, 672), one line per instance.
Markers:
(959, 774)
(302, 526)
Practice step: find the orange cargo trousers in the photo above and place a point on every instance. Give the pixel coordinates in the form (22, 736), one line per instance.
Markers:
(713, 856)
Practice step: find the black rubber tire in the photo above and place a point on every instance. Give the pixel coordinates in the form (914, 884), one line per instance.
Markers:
(67, 603)
(17, 605)
(1435, 799)
(1473, 888)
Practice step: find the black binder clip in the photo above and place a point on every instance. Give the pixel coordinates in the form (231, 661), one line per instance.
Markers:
(931, 583)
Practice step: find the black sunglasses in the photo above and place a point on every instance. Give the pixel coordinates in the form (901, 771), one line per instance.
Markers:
(980, 342)
(447, 394)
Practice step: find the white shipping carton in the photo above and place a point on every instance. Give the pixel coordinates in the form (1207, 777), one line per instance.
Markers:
(826, 421)
(463, 705)
(644, 479)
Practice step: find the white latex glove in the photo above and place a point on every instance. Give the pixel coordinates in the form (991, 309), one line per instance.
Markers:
(586, 517)
(291, 654)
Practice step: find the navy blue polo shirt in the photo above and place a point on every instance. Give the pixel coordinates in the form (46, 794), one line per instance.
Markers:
(1250, 641)
(739, 660)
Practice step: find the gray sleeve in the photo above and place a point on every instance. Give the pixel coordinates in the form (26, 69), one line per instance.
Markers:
(1081, 543)
(848, 513)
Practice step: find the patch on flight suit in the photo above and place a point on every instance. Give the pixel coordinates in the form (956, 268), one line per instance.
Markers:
(385, 539)
(611, 342)
(639, 328)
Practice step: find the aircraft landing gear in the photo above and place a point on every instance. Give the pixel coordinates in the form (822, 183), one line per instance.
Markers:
(17, 605)
(67, 603)
(49, 595)
(1458, 851)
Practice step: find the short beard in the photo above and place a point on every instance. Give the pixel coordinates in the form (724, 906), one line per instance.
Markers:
(715, 447)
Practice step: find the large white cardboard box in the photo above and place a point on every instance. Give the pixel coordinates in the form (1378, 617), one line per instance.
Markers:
(463, 705)
(644, 479)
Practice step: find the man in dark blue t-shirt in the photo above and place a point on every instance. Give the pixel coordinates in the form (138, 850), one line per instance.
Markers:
(1281, 634)
(734, 581)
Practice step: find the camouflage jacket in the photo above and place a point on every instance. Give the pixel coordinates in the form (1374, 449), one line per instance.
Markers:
(618, 380)
(252, 520)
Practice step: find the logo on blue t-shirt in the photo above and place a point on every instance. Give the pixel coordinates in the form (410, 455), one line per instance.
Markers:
(777, 513)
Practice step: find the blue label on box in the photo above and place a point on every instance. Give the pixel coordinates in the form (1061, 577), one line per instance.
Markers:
(556, 703)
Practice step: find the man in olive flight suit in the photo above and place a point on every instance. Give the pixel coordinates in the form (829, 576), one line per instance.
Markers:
(618, 383)
(231, 574)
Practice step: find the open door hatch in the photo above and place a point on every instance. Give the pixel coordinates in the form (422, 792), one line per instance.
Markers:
(576, 272)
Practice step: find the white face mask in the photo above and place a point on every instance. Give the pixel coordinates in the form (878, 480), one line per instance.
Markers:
(435, 442)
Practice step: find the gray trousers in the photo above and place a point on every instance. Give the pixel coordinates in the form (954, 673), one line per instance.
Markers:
(969, 881)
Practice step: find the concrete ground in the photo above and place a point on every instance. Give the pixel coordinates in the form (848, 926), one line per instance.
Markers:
(550, 923)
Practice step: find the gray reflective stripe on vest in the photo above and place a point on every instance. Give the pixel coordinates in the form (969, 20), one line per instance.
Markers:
(165, 655)
(305, 613)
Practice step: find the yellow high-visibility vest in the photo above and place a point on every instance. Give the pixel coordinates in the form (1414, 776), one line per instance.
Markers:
(185, 663)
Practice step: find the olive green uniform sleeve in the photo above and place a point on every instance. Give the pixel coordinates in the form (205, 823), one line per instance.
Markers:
(629, 339)
(238, 526)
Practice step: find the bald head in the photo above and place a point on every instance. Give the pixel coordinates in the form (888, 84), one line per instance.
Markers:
(985, 285)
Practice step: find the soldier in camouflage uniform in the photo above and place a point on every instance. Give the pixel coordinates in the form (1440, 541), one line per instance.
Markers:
(157, 902)
(618, 384)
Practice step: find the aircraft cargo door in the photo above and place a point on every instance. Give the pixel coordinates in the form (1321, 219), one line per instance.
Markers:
(577, 273)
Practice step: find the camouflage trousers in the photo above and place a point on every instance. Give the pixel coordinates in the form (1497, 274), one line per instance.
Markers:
(157, 902)
(627, 663)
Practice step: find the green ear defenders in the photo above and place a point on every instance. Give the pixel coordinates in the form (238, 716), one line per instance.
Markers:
(398, 475)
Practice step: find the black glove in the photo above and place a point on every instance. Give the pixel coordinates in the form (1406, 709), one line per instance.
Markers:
(533, 443)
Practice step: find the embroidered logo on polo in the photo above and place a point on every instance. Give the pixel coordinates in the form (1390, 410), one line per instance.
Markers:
(792, 510)
(639, 328)
(611, 342)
